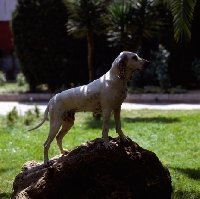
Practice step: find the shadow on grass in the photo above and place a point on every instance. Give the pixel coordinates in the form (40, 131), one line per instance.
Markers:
(97, 123)
(184, 195)
(3, 170)
(5, 195)
(93, 123)
(165, 120)
(191, 173)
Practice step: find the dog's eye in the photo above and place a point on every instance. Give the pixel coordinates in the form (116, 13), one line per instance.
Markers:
(135, 57)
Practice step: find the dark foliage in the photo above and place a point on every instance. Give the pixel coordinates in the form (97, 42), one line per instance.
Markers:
(42, 43)
(48, 55)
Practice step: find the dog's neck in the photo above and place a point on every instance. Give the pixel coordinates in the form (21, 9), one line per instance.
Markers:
(129, 74)
(115, 71)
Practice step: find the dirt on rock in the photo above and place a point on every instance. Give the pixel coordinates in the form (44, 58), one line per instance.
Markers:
(89, 171)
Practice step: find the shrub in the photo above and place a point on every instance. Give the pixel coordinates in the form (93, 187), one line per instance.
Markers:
(31, 114)
(2, 79)
(36, 111)
(41, 41)
(196, 68)
(28, 117)
(157, 74)
(21, 80)
(12, 116)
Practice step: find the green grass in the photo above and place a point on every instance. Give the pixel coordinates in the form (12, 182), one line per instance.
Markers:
(173, 135)
(13, 88)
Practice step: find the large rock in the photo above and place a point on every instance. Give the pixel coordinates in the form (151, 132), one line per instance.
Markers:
(126, 171)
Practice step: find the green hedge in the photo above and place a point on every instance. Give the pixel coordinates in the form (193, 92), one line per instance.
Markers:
(42, 43)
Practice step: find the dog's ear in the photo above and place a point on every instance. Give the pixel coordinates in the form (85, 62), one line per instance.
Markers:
(122, 67)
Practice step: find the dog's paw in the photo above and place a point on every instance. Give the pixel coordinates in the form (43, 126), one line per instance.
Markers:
(48, 163)
(108, 145)
(65, 152)
(125, 138)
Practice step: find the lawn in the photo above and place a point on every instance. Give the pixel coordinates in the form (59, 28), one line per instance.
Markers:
(173, 135)
(13, 88)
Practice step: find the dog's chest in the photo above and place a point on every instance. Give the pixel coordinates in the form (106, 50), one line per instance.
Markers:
(114, 99)
(120, 97)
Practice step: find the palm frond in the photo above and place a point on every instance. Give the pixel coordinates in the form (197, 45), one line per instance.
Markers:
(86, 15)
(182, 11)
(119, 14)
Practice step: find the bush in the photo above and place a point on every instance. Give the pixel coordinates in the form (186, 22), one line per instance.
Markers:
(21, 80)
(196, 69)
(36, 111)
(2, 79)
(42, 43)
(12, 116)
(28, 117)
(156, 75)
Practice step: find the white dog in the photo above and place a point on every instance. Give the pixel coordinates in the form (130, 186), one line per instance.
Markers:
(103, 95)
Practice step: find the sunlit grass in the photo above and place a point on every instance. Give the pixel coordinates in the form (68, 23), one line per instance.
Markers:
(13, 88)
(173, 135)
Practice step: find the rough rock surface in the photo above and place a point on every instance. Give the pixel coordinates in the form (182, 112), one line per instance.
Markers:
(126, 171)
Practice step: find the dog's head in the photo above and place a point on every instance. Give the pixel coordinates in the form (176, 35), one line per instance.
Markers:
(130, 62)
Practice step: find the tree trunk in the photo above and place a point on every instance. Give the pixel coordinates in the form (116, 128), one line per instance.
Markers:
(90, 55)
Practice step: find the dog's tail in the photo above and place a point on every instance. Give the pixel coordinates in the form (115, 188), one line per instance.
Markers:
(45, 116)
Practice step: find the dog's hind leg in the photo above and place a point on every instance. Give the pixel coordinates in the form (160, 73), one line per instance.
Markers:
(54, 128)
(66, 126)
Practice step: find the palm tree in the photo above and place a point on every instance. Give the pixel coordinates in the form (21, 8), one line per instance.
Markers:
(132, 21)
(86, 19)
(146, 21)
(182, 11)
(140, 19)
(119, 15)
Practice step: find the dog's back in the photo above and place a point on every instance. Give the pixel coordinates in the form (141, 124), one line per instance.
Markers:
(82, 98)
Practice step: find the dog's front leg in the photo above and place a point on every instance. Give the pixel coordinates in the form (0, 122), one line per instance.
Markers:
(105, 127)
(118, 124)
